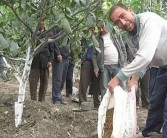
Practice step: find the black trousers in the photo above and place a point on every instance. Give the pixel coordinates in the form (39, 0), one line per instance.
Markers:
(69, 77)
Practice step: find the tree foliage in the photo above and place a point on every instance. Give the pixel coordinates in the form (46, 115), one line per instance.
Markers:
(19, 20)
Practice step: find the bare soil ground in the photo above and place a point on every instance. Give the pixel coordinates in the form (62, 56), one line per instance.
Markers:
(46, 120)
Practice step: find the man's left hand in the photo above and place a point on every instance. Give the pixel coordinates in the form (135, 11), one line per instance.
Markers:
(132, 82)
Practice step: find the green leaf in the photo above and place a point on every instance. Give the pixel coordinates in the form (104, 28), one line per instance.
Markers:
(58, 15)
(98, 49)
(23, 4)
(89, 34)
(14, 48)
(95, 43)
(77, 1)
(91, 21)
(23, 48)
(83, 2)
(66, 26)
(3, 42)
(64, 42)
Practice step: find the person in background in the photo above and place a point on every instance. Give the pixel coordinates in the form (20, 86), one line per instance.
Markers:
(112, 57)
(69, 76)
(147, 32)
(59, 70)
(40, 68)
(87, 75)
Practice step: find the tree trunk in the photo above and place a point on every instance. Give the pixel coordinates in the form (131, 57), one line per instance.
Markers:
(22, 88)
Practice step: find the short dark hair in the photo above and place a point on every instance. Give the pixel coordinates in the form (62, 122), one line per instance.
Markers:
(100, 22)
(116, 6)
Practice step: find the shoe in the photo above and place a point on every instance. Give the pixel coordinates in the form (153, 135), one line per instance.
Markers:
(60, 102)
(89, 96)
(139, 135)
(75, 99)
(144, 134)
(152, 134)
(137, 107)
(79, 110)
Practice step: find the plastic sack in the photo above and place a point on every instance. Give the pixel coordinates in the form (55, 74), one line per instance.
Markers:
(124, 121)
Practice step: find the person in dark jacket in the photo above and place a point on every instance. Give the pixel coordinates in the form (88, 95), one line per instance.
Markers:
(69, 76)
(59, 71)
(40, 69)
(87, 75)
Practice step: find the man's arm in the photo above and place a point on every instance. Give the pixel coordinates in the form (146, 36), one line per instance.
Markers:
(149, 39)
(94, 60)
(148, 42)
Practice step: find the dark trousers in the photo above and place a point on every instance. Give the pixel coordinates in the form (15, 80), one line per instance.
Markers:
(59, 71)
(94, 89)
(37, 74)
(69, 77)
(157, 113)
(88, 79)
(153, 75)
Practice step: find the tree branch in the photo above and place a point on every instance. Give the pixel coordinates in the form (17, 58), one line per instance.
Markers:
(10, 58)
(15, 13)
(62, 33)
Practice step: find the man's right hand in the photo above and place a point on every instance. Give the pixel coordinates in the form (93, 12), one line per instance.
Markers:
(96, 73)
(59, 58)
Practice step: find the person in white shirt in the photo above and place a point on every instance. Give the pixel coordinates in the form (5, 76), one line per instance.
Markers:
(111, 58)
(147, 31)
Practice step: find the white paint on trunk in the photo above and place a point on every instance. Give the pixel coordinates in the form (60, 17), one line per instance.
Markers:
(22, 86)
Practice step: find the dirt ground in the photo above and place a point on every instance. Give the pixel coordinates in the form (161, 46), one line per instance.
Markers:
(45, 120)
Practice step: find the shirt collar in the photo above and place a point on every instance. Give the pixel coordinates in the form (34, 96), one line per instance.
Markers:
(137, 28)
(135, 36)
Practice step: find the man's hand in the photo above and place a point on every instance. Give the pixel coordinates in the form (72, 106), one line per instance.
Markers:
(132, 82)
(59, 58)
(96, 73)
(49, 64)
(113, 83)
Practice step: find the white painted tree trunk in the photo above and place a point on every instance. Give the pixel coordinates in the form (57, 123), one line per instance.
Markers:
(22, 87)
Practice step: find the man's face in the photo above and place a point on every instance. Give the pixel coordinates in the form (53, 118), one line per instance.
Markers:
(102, 30)
(42, 24)
(91, 29)
(124, 19)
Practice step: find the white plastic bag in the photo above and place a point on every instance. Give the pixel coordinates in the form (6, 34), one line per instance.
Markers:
(124, 116)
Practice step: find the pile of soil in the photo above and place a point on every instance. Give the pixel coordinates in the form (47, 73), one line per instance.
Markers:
(43, 119)
(46, 120)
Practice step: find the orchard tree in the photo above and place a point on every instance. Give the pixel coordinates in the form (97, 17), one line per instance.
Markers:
(19, 23)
